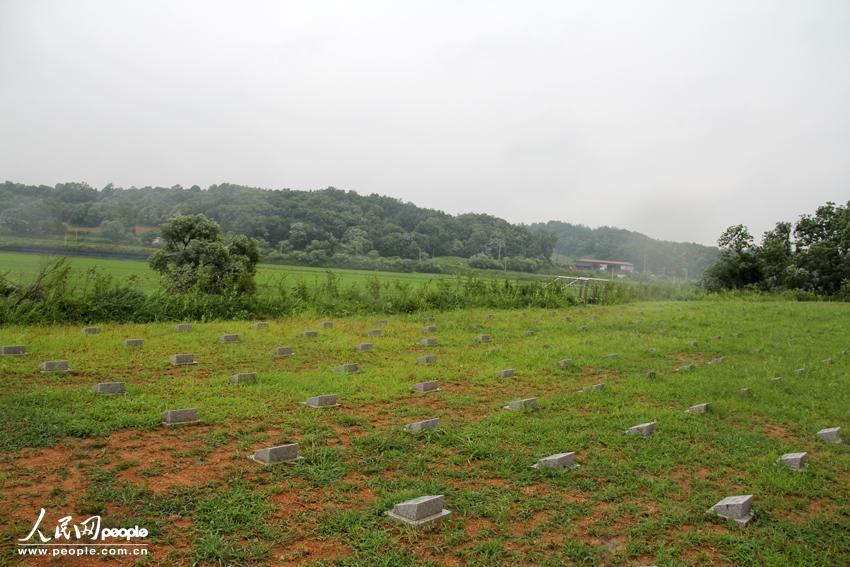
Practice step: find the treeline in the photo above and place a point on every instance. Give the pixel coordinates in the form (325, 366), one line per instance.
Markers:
(811, 255)
(659, 257)
(326, 227)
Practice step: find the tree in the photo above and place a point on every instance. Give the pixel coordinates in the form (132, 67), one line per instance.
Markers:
(737, 266)
(113, 230)
(196, 257)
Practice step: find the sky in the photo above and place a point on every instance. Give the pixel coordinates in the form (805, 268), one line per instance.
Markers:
(673, 118)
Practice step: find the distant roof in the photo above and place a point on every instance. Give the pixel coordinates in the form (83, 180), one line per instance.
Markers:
(608, 262)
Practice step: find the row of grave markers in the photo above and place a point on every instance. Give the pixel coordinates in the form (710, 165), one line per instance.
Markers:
(426, 509)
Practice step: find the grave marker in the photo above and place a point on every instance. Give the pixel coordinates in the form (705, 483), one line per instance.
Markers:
(525, 404)
(735, 508)
(273, 455)
(13, 350)
(799, 371)
(651, 374)
(182, 359)
(718, 360)
(428, 342)
(685, 368)
(506, 373)
(564, 461)
(613, 355)
(229, 338)
(564, 362)
(310, 334)
(90, 330)
(699, 408)
(58, 366)
(349, 368)
(283, 351)
(326, 324)
(744, 391)
(363, 347)
(375, 333)
(429, 329)
(644, 429)
(528, 333)
(180, 417)
(244, 378)
(133, 343)
(382, 322)
(827, 361)
(428, 359)
(419, 511)
(830, 435)
(109, 388)
(422, 425)
(424, 387)
(325, 401)
(260, 325)
(793, 461)
(183, 327)
(483, 338)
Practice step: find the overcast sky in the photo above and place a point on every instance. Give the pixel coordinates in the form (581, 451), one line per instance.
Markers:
(674, 118)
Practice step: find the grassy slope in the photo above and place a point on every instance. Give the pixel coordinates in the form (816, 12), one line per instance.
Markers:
(632, 501)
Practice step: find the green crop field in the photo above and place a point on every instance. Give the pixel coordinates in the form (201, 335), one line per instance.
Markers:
(633, 500)
(23, 267)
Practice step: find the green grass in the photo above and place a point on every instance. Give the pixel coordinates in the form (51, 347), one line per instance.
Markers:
(633, 501)
(23, 267)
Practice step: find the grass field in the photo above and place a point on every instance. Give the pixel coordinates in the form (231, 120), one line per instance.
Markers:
(633, 501)
(22, 267)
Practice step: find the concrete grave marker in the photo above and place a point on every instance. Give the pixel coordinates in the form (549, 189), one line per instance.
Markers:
(582, 327)
(613, 355)
(326, 324)
(567, 319)
(109, 388)
(735, 508)
(776, 379)
(260, 325)
(564, 362)
(13, 350)
(182, 359)
(349, 368)
(830, 435)
(716, 337)
(274, 455)
(528, 333)
(382, 322)
(693, 343)
(793, 461)
(183, 327)
(563, 461)
(506, 373)
(483, 338)
(597, 387)
(326, 401)
(699, 408)
(644, 429)
(685, 368)
(419, 511)
(428, 342)
(310, 334)
(424, 387)
(524, 404)
(429, 329)
(651, 374)
(827, 361)
(375, 333)
(718, 360)
(133, 343)
(229, 338)
(244, 378)
(422, 425)
(428, 359)
(745, 391)
(180, 417)
(363, 347)
(90, 330)
(283, 351)
(59, 366)
(799, 370)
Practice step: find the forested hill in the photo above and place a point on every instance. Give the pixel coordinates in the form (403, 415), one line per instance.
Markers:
(608, 243)
(313, 224)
